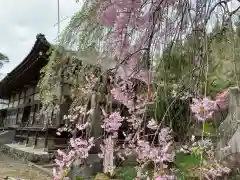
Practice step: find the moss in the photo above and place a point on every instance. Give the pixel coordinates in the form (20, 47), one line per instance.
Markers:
(127, 172)
(79, 178)
(101, 176)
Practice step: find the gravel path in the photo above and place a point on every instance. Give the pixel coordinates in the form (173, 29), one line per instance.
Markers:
(14, 168)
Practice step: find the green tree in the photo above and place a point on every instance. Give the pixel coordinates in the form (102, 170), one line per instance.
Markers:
(3, 57)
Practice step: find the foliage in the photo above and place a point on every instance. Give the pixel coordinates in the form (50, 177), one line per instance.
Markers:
(222, 73)
(79, 178)
(3, 58)
(187, 164)
(85, 28)
(47, 85)
(234, 175)
(126, 172)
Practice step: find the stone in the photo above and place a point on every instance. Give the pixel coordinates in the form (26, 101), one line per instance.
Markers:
(7, 137)
(32, 157)
(46, 158)
(229, 129)
(92, 166)
(11, 178)
(24, 155)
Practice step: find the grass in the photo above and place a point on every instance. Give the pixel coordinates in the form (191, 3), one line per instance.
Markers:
(127, 172)
(187, 165)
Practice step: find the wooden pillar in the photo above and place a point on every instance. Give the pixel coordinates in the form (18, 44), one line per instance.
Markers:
(34, 113)
(46, 133)
(24, 101)
(46, 139)
(27, 139)
(24, 96)
(15, 134)
(33, 107)
(9, 101)
(18, 109)
(61, 98)
(35, 141)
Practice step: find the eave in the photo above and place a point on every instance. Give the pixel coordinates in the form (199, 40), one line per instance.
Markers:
(28, 71)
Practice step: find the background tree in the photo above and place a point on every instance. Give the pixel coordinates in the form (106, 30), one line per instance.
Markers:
(3, 59)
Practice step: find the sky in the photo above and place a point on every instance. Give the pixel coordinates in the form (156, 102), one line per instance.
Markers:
(22, 20)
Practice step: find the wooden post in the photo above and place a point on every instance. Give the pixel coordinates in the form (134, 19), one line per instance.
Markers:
(18, 109)
(46, 139)
(15, 135)
(27, 139)
(46, 133)
(35, 141)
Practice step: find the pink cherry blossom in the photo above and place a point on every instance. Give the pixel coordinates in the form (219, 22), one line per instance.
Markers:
(164, 136)
(113, 122)
(202, 109)
(58, 133)
(57, 173)
(108, 17)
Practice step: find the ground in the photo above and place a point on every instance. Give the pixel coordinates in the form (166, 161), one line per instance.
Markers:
(17, 169)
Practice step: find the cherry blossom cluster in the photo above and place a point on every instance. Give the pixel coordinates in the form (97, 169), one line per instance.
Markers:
(216, 172)
(63, 162)
(112, 122)
(160, 154)
(76, 112)
(129, 18)
(81, 147)
(203, 109)
(137, 106)
(78, 117)
(122, 96)
(63, 129)
(79, 150)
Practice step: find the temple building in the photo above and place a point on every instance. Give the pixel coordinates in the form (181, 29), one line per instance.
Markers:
(20, 101)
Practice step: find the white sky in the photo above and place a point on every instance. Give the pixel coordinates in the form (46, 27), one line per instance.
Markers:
(22, 20)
